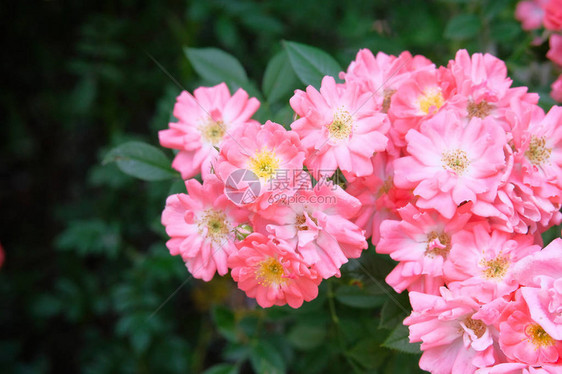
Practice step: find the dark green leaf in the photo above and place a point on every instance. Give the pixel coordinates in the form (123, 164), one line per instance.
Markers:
(222, 369)
(216, 66)
(494, 7)
(87, 237)
(284, 117)
(142, 161)
(315, 361)
(265, 358)
(279, 78)
(551, 234)
(398, 340)
(394, 311)
(235, 351)
(463, 26)
(358, 298)
(140, 339)
(227, 31)
(311, 64)
(226, 324)
(46, 306)
(368, 353)
(506, 31)
(177, 187)
(307, 336)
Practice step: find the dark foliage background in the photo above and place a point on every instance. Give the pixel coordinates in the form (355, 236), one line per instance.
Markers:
(87, 277)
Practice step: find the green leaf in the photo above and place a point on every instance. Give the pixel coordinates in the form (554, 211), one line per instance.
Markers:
(463, 26)
(316, 361)
(46, 306)
(493, 8)
(358, 298)
(177, 187)
(235, 351)
(398, 340)
(368, 353)
(249, 325)
(222, 369)
(279, 78)
(550, 234)
(216, 66)
(284, 117)
(140, 340)
(142, 161)
(505, 31)
(265, 358)
(311, 64)
(306, 336)
(393, 311)
(90, 237)
(225, 321)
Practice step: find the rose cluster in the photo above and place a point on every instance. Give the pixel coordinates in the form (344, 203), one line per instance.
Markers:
(449, 170)
(534, 14)
(257, 211)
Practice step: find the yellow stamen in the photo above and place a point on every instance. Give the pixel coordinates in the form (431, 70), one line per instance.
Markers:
(341, 126)
(431, 98)
(538, 153)
(212, 131)
(264, 163)
(496, 268)
(538, 336)
(215, 223)
(455, 160)
(270, 272)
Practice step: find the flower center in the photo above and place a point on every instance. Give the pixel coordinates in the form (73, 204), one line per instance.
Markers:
(431, 100)
(477, 326)
(538, 153)
(215, 224)
(387, 99)
(270, 272)
(212, 131)
(480, 110)
(341, 126)
(538, 336)
(300, 222)
(496, 268)
(264, 163)
(438, 244)
(455, 160)
(385, 188)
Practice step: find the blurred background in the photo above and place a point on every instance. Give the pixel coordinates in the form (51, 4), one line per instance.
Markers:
(87, 284)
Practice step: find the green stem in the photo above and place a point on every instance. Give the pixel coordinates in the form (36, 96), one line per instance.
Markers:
(339, 332)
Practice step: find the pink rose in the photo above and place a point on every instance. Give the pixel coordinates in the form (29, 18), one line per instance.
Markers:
(556, 87)
(541, 274)
(553, 15)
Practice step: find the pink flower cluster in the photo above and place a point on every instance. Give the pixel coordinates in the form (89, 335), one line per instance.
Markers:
(449, 170)
(256, 211)
(534, 14)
